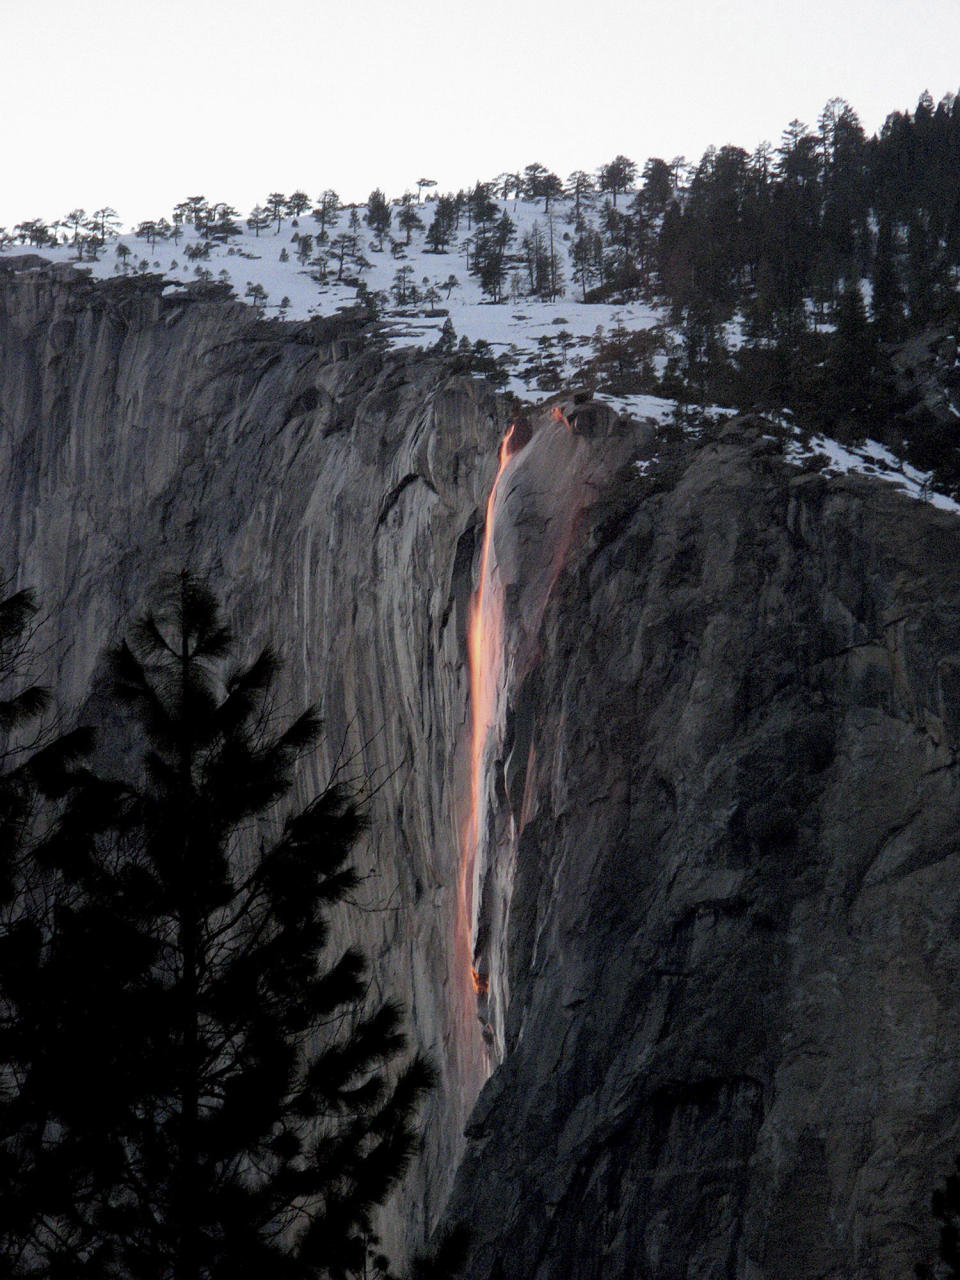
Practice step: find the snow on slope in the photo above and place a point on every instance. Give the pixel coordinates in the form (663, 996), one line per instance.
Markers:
(869, 459)
(511, 326)
(294, 291)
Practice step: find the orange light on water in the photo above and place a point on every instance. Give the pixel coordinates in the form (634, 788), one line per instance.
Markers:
(484, 653)
(508, 448)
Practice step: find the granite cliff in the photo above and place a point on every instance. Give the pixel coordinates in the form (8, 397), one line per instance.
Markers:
(677, 914)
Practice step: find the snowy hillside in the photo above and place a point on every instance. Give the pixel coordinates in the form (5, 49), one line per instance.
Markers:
(288, 271)
(271, 270)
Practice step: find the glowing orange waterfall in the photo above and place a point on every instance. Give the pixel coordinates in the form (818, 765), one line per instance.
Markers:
(546, 477)
(485, 654)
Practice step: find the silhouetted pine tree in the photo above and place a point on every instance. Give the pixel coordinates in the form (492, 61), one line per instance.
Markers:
(378, 215)
(887, 303)
(217, 1099)
(22, 702)
(36, 767)
(849, 394)
(946, 1209)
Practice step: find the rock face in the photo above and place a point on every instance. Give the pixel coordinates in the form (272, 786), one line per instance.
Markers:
(331, 496)
(710, 893)
(730, 1046)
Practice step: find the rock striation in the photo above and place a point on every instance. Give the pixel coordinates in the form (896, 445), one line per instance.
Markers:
(711, 895)
(331, 496)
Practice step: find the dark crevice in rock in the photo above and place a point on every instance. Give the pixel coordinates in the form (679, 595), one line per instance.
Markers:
(394, 495)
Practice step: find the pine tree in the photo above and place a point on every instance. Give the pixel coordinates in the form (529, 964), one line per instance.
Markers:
(488, 262)
(587, 255)
(326, 213)
(616, 176)
(76, 219)
(153, 231)
(540, 181)
(37, 766)
(260, 218)
(946, 1209)
(408, 218)
(887, 300)
(222, 223)
(277, 206)
(378, 215)
(481, 206)
(441, 229)
(224, 1104)
(21, 700)
(35, 757)
(849, 393)
(297, 203)
(657, 187)
(579, 189)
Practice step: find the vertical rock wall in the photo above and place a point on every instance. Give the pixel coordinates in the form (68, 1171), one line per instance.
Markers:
(331, 495)
(731, 1043)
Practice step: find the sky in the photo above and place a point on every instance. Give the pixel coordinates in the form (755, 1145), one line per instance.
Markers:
(137, 105)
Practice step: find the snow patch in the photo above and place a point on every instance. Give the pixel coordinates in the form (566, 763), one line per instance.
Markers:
(870, 459)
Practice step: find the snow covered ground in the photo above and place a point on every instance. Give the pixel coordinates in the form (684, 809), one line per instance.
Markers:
(870, 459)
(294, 289)
(292, 286)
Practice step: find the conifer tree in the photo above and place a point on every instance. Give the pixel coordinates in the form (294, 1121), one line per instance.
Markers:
(378, 215)
(579, 189)
(441, 229)
(326, 212)
(277, 206)
(223, 1099)
(849, 394)
(260, 218)
(36, 766)
(297, 203)
(946, 1209)
(887, 300)
(408, 217)
(76, 219)
(616, 176)
(22, 701)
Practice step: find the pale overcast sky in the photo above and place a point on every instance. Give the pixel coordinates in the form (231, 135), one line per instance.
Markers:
(138, 105)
